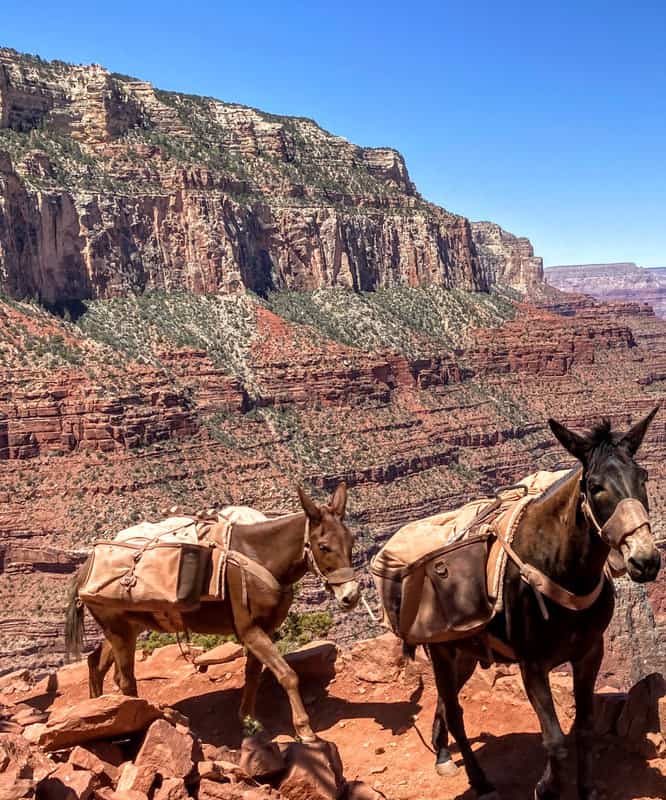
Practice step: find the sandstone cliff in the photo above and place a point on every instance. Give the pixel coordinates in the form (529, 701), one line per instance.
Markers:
(109, 186)
(506, 259)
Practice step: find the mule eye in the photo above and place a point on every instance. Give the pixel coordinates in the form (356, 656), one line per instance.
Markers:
(324, 548)
(596, 488)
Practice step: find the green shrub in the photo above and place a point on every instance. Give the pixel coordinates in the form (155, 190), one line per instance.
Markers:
(299, 629)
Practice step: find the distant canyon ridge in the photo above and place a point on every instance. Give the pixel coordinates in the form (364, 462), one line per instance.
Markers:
(619, 281)
(110, 186)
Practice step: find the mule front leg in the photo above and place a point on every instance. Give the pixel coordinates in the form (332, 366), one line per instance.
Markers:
(538, 691)
(260, 645)
(444, 764)
(585, 673)
(253, 667)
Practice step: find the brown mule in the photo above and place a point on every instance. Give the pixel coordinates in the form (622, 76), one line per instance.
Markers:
(568, 536)
(288, 547)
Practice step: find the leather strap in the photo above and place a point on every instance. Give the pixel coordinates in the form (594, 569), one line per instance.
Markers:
(543, 585)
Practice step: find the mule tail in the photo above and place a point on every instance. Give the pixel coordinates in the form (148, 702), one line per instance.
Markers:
(74, 617)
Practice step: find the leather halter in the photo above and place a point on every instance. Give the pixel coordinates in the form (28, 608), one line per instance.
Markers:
(629, 516)
(334, 578)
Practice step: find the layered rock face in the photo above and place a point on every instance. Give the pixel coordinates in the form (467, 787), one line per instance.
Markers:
(415, 424)
(622, 281)
(108, 186)
(507, 260)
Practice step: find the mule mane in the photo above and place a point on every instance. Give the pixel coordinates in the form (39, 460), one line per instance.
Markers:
(602, 434)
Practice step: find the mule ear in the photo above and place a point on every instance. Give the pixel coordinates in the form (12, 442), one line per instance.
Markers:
(339, 500)
(309, 505)
(576, 444)
(634, 436)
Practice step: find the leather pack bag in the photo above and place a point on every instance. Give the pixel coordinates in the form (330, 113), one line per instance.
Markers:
(439, 597)
(147, 575)
(441, 578)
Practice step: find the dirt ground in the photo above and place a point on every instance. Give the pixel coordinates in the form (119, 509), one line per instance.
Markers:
(382, 729)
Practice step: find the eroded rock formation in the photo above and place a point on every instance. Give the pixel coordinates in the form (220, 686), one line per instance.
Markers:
(109, 186)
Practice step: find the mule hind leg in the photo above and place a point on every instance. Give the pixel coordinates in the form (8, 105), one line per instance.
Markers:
(444, 764)
(99, 663)
(122, 639)
(451, 672)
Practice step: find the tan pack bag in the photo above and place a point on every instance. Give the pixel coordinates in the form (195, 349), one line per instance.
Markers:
(147, 575)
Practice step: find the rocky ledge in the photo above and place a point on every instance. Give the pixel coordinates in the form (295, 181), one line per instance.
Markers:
(371, 709)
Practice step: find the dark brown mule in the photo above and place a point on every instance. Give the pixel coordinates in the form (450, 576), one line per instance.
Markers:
(287, 547)
(567, 536)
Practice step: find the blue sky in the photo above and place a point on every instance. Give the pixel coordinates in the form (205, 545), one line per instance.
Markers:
(549, 118)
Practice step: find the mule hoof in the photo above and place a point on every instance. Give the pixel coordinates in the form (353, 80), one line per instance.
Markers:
(447, 769)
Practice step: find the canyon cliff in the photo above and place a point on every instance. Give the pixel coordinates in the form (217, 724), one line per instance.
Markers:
(109, 186)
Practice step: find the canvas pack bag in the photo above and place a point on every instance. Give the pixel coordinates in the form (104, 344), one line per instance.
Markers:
(151, 567)
(440, 578)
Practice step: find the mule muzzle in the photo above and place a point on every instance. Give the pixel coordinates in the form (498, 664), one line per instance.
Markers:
(628, 532)
(347, 594)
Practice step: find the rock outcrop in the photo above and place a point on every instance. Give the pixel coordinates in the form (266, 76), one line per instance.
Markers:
(109, 186)
(507, 259)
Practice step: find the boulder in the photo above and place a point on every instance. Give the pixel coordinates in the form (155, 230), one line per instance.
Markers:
(607, 709)
(212, 790)
(27, 715)
(131, 779)
(165, 752)
(99, 718)
(222, 771)
(260, 757)
(21, 767)
(228, 651)
(314, 772)
(640, 714)
(358, 790)
(68, 783)
(221, 753)
(314, 661)
(378, 660)
(18, 681)
(81, 758)
(172, 789)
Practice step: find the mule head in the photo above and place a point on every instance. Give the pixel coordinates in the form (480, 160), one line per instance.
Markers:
(331, 543)
(614, 488)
